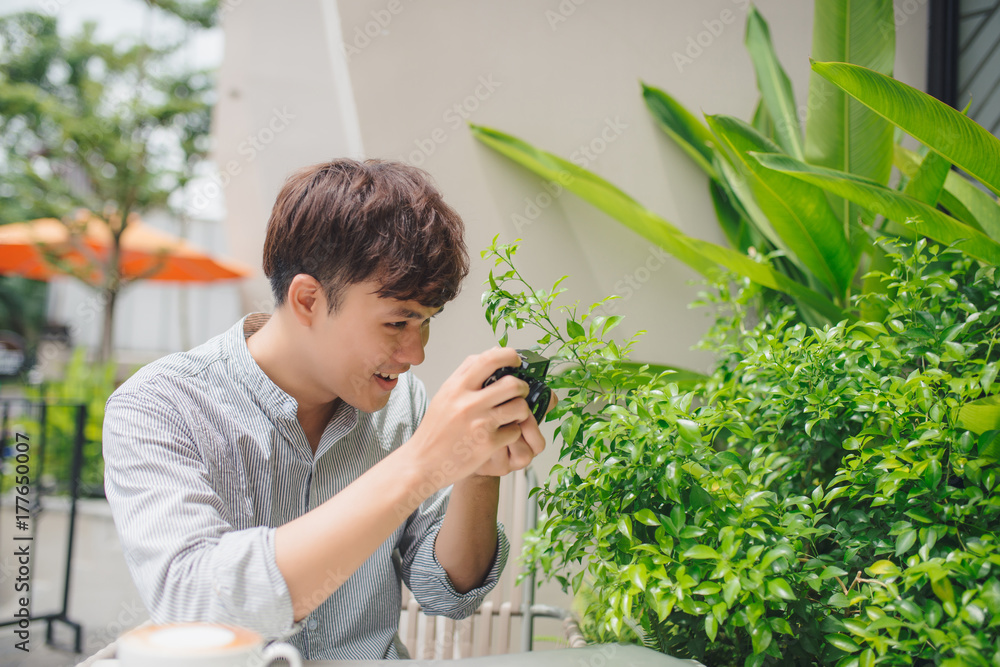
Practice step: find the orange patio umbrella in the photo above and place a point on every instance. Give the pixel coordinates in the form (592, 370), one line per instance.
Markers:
(82, 246)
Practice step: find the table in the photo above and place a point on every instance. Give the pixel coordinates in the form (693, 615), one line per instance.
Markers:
(602, 655)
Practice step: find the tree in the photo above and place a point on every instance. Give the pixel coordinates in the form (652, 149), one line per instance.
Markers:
(110, 128)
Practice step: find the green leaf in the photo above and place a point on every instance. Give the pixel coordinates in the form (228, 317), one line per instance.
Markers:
(843, 642)
(685, 379)
(733, 224)
(780, 588)
(610, 324)
(905, 541)
(625, 527)
(701, 551)
(801, 216)
(730, 590)
(960, 196)
(883, 567)
(774, 85)
(574, 329)
(981, 416)
(682, 126)
(702, 256)
(927, 184)
(961, 141)
(841, 133)
(943, 590)
(916, 215)
(647, 517)
(989, 446)
(689, 431)
(711, 627)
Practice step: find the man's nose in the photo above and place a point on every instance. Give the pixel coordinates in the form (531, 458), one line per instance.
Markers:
(411, 349)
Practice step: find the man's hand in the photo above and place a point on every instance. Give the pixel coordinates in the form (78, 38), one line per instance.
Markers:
(470, 429)
(521, 453)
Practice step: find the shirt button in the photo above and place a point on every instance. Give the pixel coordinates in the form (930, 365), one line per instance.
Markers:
(312, 624)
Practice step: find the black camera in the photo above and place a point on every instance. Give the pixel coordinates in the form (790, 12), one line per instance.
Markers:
(532, 370)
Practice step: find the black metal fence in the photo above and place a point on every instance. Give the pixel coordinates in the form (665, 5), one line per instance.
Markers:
(41, 456)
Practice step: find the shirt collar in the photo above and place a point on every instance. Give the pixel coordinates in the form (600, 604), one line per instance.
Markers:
(275, 400)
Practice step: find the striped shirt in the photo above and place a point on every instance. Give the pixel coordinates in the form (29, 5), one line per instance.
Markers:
(205, 458)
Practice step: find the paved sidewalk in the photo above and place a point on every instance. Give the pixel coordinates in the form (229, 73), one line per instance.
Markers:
(102, 597)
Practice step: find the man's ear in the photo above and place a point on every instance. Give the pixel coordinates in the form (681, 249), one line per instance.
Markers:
(306, 299)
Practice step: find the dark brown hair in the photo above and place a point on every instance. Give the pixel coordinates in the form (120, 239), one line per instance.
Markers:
(345, 222)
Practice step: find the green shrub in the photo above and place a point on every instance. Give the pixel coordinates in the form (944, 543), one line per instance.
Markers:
(83, 383)
(818, 500)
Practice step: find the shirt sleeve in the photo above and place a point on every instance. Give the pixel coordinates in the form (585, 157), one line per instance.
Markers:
(423, 574)
(188, 562)
(427, 578)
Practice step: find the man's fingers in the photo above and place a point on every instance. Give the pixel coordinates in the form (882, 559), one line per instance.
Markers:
(505, 389)
(507, 435)
(483, 365)
(513, 411)
(532, 436)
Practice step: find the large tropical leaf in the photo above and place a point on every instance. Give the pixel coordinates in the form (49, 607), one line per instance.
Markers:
(961, 141)
(801, 216)
(682, 126)
(896, 206)
(960, 196)
(841, 133)
(774, 85)
(926, 185)
(702, 256)
(982, 415)
(908, 162)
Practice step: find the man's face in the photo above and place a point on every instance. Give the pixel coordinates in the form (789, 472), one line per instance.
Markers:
(366, 343)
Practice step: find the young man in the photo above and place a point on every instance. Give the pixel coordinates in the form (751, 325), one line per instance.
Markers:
(265, 478)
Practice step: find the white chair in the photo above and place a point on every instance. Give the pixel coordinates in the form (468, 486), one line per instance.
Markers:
(490, 630)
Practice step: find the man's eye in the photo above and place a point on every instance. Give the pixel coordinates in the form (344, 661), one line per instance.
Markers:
(397, 325)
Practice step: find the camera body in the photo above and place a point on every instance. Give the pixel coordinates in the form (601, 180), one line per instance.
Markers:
(532, 370)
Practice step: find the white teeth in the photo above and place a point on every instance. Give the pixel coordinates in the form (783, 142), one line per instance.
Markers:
(390, 376)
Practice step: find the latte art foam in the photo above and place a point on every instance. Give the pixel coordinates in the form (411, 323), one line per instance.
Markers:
(192, 639)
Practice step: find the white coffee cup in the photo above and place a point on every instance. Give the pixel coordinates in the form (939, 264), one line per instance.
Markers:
(200, 645)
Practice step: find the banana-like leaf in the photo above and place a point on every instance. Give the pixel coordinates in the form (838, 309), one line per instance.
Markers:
(682, 126)
(841, 133)
(960, 196)
(774, 85)
(734, 226)
(958, 138)
(916, 215)
(980, 205)
(908, 162)
(801, 216)
(927, 184)
(981, 416)
(702, 256)
(761, 120)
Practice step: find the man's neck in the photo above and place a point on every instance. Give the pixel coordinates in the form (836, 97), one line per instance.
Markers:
(272, 348)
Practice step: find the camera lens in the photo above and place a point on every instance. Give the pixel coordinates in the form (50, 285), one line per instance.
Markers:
(538, 399)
